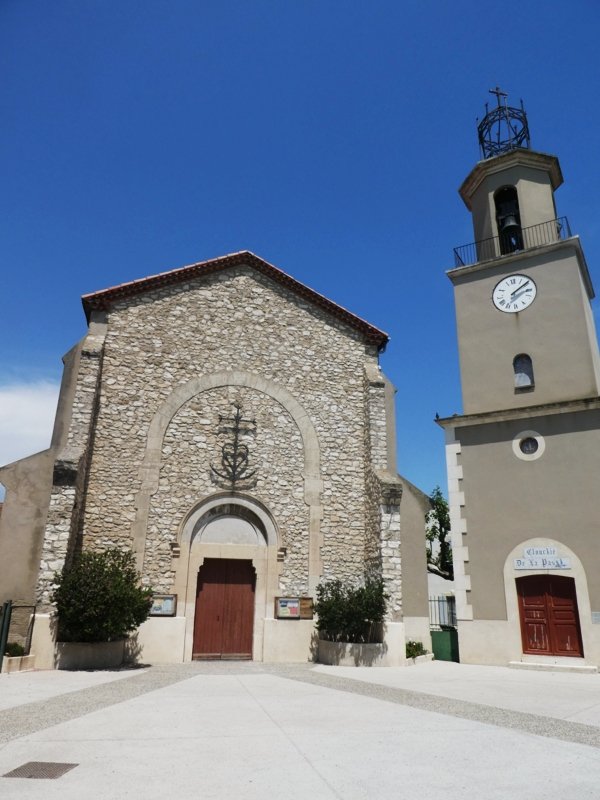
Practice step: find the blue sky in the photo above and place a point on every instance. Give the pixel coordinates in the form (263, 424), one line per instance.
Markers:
(328, 137)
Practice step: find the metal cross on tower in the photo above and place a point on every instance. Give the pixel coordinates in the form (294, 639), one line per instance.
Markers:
(499, 93)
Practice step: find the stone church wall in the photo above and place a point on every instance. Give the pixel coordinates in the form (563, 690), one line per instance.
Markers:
(236, 319)
(192, 445)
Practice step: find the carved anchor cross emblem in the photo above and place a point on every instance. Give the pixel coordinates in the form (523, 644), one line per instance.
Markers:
(234, 465)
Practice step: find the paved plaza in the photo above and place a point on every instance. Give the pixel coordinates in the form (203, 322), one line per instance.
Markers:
(249, 730)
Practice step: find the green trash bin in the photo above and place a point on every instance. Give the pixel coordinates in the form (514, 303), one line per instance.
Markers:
(445, 643)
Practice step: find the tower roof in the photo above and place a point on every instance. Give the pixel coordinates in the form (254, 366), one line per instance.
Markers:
(520, 157)
(105, 298)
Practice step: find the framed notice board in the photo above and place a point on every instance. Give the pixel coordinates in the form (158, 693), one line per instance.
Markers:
(293, 608)
(163, 605)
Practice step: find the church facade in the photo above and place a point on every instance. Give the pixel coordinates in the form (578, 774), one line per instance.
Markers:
(523, 459)
(232, 428)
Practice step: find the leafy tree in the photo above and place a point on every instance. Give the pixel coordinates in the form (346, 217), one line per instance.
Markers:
(350, 613)
(99, 597)
(437, 534)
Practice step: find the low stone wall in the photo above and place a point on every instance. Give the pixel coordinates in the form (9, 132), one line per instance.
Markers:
(420, 659)
(351, 654)
(18, 663)
(93, 655)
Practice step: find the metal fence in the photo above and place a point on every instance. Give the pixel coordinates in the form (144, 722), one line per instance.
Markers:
(16, 625)
(442, 611)
(545, 233)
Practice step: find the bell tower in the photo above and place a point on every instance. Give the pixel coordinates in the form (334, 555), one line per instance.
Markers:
(523, 284)
(524, 456)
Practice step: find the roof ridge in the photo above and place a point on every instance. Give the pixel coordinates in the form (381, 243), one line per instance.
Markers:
(103, 299)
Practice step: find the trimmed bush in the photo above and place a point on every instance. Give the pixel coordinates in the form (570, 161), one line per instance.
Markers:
(99, 598)
(14, 650)
(348, 613)
(415, 649)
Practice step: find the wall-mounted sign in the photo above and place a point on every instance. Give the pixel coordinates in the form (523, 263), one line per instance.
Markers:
(293, 608)
(532, 552)
(163, 605)
(542, 563)
(542, 558)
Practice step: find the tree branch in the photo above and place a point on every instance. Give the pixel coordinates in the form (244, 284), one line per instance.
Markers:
(437, 571)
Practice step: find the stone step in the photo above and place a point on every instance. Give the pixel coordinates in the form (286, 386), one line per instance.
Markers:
(555, 665)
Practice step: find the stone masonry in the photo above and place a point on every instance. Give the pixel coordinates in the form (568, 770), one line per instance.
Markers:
(149, 346)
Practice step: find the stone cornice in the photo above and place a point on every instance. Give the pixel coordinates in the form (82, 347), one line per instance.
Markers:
(532, 252)
(509, 414)
(520, 157)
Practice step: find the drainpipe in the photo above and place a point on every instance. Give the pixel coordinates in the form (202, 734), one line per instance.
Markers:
(4, 627)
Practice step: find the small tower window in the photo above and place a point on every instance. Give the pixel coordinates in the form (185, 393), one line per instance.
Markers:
(523, 369)
(508, 220)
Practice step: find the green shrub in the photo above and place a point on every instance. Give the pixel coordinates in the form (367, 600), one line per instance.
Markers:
(14, 649)
(99, 598)
(349, 613)
(414, 649)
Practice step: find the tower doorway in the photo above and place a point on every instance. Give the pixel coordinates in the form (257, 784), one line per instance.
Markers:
(223, 623)
(549, 616)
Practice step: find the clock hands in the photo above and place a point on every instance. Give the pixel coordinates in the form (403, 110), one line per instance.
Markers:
(518, 289)
(516, 294)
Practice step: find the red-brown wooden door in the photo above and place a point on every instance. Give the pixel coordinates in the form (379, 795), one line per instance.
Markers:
(224, 618)
(549, 615)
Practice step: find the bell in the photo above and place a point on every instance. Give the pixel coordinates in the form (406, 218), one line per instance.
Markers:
(510, 224)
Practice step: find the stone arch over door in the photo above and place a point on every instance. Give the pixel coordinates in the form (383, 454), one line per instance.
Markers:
(575, 571)
(254, 538)
(150, 467)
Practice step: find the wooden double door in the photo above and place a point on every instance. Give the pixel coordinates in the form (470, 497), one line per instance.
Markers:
(549, 616)
(224, 620)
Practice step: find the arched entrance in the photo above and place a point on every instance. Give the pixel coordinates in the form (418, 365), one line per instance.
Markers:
(228, 573)
(549, 615)
(556, 597)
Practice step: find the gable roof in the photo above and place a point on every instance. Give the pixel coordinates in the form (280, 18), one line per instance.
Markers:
(105, 298)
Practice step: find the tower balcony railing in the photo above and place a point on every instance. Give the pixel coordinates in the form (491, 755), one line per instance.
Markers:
(512, 242)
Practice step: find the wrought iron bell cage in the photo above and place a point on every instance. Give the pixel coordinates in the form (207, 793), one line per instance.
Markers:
(504, 128)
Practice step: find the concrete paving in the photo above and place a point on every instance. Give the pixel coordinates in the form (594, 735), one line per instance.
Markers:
(567, 696)
(250, 730)
(30, 687)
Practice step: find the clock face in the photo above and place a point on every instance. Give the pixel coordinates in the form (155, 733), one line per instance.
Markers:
(514, 293)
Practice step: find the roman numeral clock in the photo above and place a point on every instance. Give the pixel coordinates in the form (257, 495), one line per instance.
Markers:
(514, 293)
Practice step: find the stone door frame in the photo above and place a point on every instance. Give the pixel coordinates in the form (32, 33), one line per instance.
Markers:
(576, 571)
(263, 556)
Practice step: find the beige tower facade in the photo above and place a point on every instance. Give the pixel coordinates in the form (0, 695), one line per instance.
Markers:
(523, 459)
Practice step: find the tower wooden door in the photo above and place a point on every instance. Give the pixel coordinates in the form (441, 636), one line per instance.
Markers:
(549, 616)
(224, 618)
